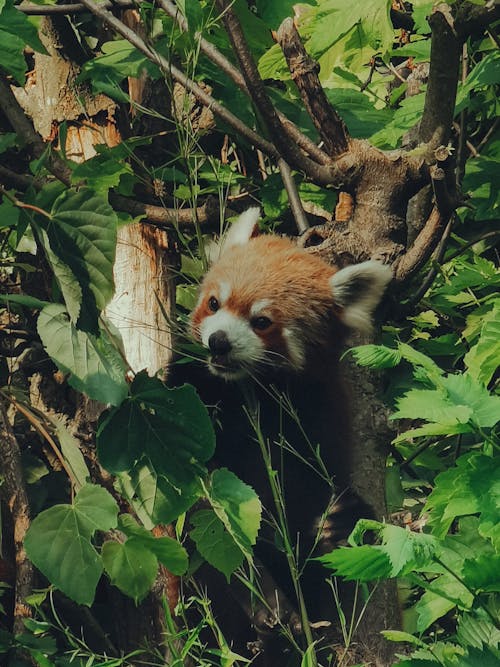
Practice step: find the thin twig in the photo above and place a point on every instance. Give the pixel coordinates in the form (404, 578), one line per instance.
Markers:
(219, 59)
(176, 74)
(13, 490)
(289, 151)
(293, 197)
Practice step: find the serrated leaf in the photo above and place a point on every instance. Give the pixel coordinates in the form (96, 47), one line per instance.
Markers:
(58, 542)
(214, 542)
(237, 506)
(171, 427)
(364, 563)
(94, 364)
(131, 567)
(481, 573)
(82, 233)
(433, 406)
(376, 356)
(463, 389)
(483, 358)
(477, 632)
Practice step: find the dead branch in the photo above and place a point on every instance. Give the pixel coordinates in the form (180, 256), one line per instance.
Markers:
(437, 117)
(304, 71)
(293, 197)
(14, 495)
(32, 9)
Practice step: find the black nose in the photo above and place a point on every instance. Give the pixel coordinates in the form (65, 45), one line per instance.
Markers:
(219, 343)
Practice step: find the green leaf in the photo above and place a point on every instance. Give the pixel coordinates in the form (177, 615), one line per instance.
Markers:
(167, 550)
(375, 356)
(237, 506)
(364, 563)
(101, 172)
(482, 359)
(82, 233)
(486, 657)
(70, 449)
(399, 636)
(214, 543)
(16, 30)
(24, 300)
(432, 405)
(477, 632)
(155, 499)
(481, 573)
(131, 566)
(463, 389)
(7, 140)
(358, 113)
(68, 284)
(58, 542)
(169, 426)
(94, 364)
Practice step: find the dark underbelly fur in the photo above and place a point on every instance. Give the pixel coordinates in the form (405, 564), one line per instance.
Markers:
(309, 488)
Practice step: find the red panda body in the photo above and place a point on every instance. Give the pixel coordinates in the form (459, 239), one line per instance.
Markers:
(274, 318)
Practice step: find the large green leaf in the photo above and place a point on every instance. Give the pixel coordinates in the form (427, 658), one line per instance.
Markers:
(94, 364)
(214, 543)
(131, 567)
(16, 30)
(82, 233)
(171, 427)
(58, 542)
(363, 563)
(167, 550)
(482, 359)
(155, 499)
(237, 506)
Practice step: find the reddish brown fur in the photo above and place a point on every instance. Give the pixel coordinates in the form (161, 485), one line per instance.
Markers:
(272, 267)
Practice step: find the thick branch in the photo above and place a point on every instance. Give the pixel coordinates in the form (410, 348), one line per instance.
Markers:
(167, 217)
(33, 9)
(471, 18)
(437, 117)
(304, 70)
(422, 248)
(14, 494)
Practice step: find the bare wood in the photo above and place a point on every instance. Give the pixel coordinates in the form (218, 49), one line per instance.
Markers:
(13, 490)
(304, 71)
(24, 128)
(437, 117)
(32, 9)
(293, 197)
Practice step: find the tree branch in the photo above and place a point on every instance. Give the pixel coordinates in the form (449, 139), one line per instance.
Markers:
(322, 175)
(13, 490)
(304, 70)
(439, 106)
(213, 53)
(293, 197)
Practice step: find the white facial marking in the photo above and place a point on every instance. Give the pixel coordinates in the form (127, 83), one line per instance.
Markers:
(246, 346)
(224, 292)
(295, 348)
(258, 306)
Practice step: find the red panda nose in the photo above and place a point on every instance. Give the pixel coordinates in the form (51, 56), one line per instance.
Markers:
(219, 343)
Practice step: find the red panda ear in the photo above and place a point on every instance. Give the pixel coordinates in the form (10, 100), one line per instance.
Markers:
(239, 233)
(358, 290)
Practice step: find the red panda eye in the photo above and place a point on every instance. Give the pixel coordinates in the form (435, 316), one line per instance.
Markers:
(213, 304)
(261, 323)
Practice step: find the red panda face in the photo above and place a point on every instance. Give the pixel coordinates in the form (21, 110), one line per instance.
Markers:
(266, 304)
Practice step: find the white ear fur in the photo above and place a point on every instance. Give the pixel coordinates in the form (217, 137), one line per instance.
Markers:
(239, 233)
(358, 289)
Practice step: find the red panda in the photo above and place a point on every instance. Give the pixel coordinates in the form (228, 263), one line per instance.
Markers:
(273, 318)
(266, 303)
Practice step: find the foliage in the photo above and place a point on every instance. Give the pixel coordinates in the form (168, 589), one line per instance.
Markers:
(58, 247)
